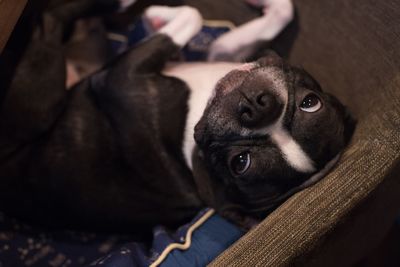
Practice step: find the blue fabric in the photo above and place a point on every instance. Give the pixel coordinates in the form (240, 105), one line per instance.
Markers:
(24, 245)
(397, 221)
(195, 50)
(208, 241)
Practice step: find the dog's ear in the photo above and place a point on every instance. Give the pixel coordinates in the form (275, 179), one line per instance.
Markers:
(202, 178)
(211, 190)
(271, 58)
(200, 132)
(349, 123)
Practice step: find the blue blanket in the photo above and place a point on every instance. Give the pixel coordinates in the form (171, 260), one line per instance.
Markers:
(195, 50)
(194, 244)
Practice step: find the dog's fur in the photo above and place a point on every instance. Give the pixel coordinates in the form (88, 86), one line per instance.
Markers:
(115, 152)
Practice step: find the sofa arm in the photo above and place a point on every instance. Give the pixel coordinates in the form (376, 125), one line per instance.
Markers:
(10, 10)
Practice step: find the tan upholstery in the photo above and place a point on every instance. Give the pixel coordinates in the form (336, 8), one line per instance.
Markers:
(353, 49)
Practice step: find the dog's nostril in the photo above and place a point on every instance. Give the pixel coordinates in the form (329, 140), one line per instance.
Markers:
(246, 113)
(247, 116)
(258, 109)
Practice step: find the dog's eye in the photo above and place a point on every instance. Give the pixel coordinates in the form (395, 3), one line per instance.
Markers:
(240, 163)
(310, 103)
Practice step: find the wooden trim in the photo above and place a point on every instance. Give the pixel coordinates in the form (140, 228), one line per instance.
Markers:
(10, 10)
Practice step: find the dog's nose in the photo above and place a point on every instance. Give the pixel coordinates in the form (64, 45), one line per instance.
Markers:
(258, 109)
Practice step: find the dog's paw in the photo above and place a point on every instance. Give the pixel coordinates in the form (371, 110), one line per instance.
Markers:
(278, 14)
(257, 3)
(50, 31)
(125, 4)
(155, 17)
(284, 8)
(180, 23)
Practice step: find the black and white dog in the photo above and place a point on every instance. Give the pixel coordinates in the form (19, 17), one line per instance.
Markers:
(146, 141)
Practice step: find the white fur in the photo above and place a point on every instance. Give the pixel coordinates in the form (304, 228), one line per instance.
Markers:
(124, 4)
(201, 79)
(292, 152)
(277, 14)
(181, 23)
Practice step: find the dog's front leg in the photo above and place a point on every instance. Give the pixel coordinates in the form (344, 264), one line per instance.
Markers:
(237, 44)
(36, 94)
(116, 87)
(144, 109)
(180, 23)
(127, 84)
(174, 27)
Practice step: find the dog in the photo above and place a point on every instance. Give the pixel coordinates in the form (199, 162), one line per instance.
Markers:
(146, 141)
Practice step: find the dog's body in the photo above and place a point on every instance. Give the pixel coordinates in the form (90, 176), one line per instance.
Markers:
(116, 150)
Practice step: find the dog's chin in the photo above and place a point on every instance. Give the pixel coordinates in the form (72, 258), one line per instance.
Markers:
(260, 208)
(247, 215)
(244, 216)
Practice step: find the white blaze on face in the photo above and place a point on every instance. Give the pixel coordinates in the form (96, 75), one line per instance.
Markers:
(292, 152)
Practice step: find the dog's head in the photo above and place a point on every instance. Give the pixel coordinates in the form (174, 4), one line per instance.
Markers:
(268, 131)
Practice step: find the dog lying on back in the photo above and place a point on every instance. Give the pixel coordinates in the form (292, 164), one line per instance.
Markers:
(145, 141)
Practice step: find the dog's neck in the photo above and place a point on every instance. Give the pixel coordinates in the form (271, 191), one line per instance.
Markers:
(201, 79)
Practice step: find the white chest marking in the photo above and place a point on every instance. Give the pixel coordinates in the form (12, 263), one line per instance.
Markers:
(201, 79)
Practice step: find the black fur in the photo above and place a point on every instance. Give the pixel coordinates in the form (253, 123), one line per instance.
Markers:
(219, 135)
(99, 156)
(106, 155)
